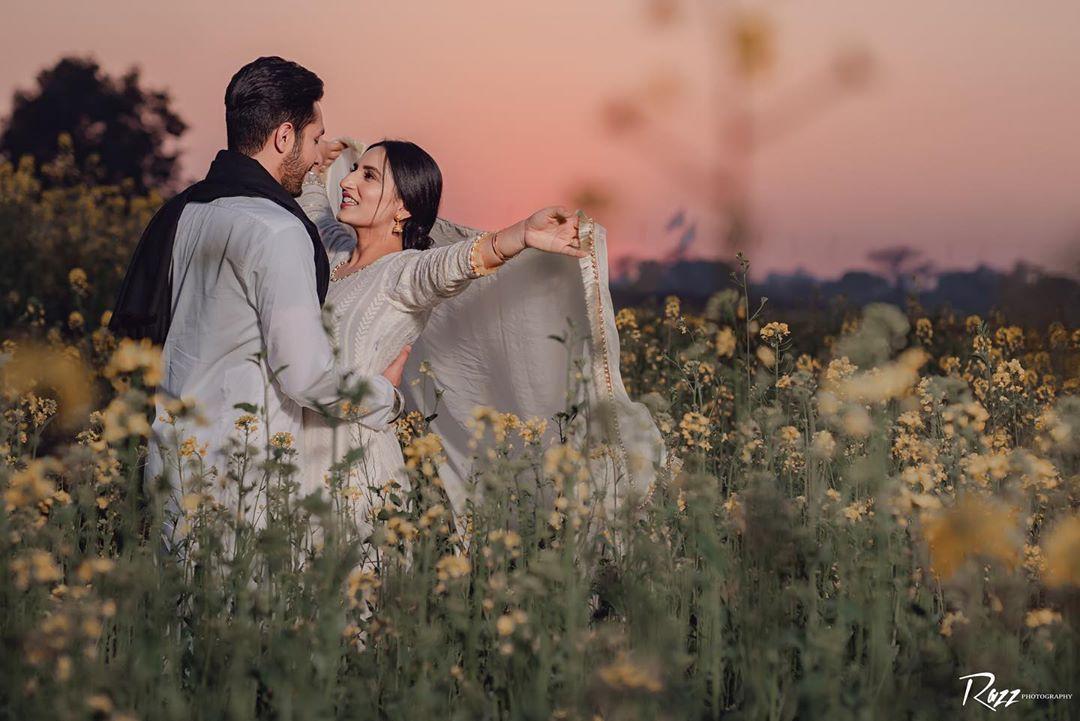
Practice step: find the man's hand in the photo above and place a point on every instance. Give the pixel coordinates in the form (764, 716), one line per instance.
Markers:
(394, 371)
(329, 150)
(554, 230)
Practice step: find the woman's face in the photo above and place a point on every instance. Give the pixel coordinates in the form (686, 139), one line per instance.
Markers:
(369, 196)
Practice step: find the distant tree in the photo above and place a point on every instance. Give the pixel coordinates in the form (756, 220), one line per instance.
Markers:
(860, 287)
(903, 266)
(893, 260)
(118, 129)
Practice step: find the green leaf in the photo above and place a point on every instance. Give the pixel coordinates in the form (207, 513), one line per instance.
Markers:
(352, 456)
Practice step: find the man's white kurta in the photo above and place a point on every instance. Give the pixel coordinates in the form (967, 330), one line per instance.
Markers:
(243, 284)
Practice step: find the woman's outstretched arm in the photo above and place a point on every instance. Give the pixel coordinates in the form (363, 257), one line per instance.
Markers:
(428, 277)
(335, 236)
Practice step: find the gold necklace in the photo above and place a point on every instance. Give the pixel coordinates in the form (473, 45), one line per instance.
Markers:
(334, 277)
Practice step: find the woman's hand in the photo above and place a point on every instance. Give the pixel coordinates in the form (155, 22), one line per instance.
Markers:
(395, 370)
(554, 230)
(329, 151)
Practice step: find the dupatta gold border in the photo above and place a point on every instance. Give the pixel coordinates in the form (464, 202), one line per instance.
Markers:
(592, 236)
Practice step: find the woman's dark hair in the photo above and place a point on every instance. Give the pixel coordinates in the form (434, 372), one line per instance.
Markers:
(419, 183)
(264, 94)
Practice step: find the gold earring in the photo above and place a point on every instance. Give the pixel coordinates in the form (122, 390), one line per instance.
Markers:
(398, 228)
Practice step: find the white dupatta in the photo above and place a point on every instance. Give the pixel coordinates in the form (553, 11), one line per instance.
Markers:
(510, 342)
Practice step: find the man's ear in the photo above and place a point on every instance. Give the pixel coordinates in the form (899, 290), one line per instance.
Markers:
(284, 138)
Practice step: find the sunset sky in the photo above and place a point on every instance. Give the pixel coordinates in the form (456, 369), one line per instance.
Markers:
(965, 145)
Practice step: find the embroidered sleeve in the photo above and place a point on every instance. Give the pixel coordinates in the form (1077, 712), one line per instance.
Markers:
(426, 277)
(313, 200)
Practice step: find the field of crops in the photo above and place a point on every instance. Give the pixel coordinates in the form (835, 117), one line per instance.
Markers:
(860, 512)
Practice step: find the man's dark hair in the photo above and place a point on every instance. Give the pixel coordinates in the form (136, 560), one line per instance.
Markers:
(264, 94)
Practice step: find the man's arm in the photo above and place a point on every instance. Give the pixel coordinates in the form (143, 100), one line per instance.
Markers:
(282, 283)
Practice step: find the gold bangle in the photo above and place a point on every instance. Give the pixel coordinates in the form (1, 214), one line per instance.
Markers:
(495, 248)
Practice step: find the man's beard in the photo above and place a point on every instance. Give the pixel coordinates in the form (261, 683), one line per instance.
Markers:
(293, 172)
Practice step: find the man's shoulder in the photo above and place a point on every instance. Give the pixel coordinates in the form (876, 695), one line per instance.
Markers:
(262, 213)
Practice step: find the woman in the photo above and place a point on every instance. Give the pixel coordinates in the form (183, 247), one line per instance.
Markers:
(386, 280)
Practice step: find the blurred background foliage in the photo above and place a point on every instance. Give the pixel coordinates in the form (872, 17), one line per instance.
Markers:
(116, 131)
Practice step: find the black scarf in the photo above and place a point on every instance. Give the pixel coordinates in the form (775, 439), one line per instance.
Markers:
(144, 305)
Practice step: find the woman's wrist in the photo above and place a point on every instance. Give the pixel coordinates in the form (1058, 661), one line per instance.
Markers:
(511, 241)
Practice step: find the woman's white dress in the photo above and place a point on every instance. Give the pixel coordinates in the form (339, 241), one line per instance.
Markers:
(373, 313)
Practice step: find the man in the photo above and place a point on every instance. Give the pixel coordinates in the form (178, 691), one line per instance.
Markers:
(229, 277)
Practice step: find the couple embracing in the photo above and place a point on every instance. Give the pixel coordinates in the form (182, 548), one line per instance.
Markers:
(231, 274)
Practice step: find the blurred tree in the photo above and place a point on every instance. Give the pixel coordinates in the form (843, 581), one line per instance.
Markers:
(903, 266)
(118, 129)
(742, 56)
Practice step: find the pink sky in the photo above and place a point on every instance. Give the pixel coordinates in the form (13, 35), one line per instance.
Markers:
(964, 147)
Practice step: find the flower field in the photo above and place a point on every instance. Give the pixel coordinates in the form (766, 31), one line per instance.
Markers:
(861, 508)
